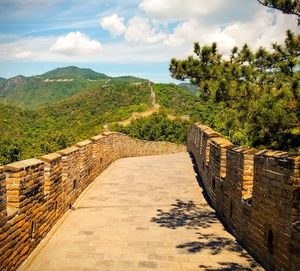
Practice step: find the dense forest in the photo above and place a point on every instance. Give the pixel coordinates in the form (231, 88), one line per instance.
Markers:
(178, 100)
(157, 127)
(31, 132)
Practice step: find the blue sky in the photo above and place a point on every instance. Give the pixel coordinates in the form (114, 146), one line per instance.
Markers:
(129, 37)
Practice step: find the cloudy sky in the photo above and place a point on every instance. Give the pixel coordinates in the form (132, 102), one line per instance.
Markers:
(127, 37)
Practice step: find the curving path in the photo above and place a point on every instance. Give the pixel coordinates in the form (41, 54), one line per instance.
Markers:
(145, 213)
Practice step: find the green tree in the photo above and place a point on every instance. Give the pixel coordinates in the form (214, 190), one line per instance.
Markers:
(10, 151)
(254, 94)
(157, 127)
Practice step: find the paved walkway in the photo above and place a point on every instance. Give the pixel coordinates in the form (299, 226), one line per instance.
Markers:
(145, 213)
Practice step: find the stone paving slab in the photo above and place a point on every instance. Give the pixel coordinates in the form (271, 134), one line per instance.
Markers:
(145, 213)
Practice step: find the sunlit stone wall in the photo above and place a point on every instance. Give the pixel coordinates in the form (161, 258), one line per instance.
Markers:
(35, 193)
(256, 193)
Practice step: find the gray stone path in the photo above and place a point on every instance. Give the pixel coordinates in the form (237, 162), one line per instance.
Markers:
(145, 213)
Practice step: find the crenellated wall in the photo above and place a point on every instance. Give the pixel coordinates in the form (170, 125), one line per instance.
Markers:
(256, 193)
(35, 193)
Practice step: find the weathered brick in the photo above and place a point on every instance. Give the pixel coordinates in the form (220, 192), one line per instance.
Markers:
(267, 179)
(40, 190)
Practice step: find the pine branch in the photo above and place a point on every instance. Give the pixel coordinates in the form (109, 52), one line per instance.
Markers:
(287, 11)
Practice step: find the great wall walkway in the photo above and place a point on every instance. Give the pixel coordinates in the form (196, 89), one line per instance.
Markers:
(145, 213)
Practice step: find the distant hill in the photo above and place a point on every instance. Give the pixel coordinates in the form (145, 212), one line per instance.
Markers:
(127, 79)
(177, 100)
(54, 86)
(29, 133)
(33, 92)
(73, 72)
(190, 87)
(9, 84)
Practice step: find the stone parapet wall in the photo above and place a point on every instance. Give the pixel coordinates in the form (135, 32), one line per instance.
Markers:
(35, 193)
(256, 193)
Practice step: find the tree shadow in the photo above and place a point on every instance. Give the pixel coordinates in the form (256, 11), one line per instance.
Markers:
(192, 216)
(227, 266)
(185, 214)
(216, 245)
(197, 216)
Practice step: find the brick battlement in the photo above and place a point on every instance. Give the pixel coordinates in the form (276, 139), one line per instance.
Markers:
(35, 193)
(256, 193)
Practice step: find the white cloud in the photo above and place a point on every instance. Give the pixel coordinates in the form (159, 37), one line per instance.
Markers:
(193, 30)
(144, 42)
(23, 54)
(76, 43)
(139, 29)
(114, 24)
(24, 48)
(265, 29)
(178, 9)
(137, 53)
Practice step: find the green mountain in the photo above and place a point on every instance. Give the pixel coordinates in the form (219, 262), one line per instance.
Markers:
(6, 86)
(33, 92)
(53, 86)
(28, 133)
(73, 72)
(41, 90)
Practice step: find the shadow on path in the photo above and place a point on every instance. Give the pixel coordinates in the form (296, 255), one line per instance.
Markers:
(227, 266)
(192, 216)
(185, 214)
(216, 245)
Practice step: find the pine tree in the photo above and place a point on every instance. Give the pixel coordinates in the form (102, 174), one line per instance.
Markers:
(256, 93)
(286, 6)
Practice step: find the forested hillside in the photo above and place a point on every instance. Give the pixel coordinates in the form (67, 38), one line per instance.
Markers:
(55, 114)
(28, 133)
(53, 86)
(35, 92)
(73, 72)
(157, 127)
(177, 101)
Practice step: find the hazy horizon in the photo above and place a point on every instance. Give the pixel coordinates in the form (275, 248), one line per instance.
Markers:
(109, 73)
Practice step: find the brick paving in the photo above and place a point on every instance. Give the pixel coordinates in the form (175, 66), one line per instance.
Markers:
(145, 213)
